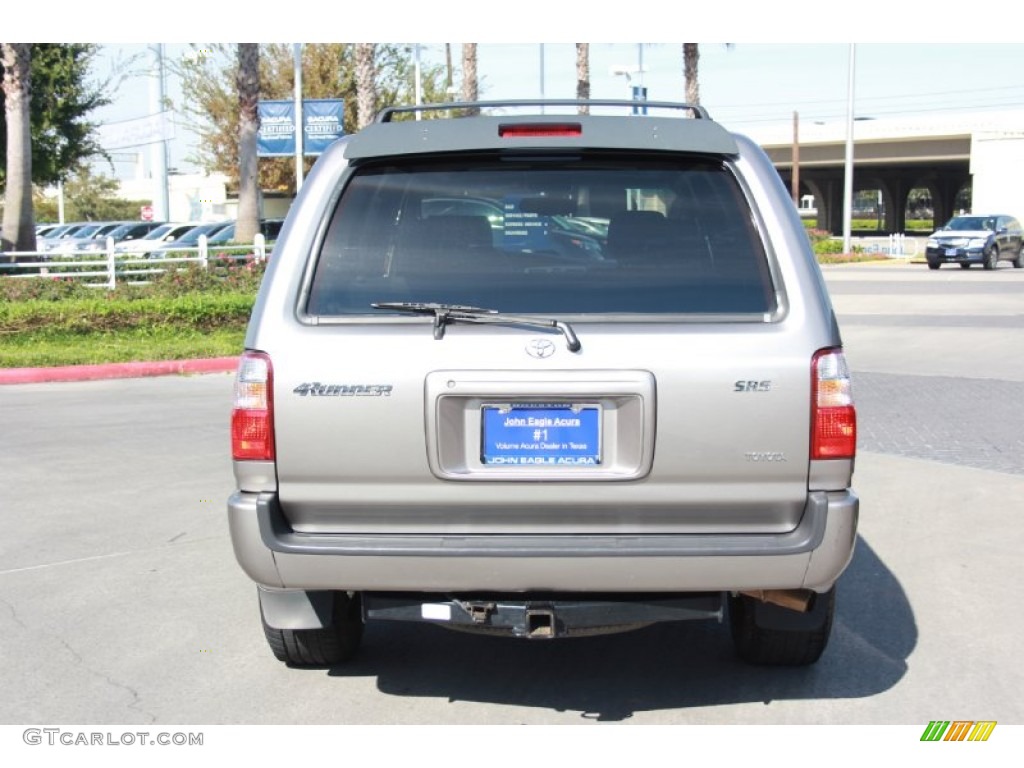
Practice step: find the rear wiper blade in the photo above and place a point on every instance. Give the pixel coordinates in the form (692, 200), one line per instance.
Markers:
(450, 313)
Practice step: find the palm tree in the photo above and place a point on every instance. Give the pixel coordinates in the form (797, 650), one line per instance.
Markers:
(469, 79)
(19, 230)
(248, 126)
(691, 59)
(448, 72)
(583, 75)
(366, 84)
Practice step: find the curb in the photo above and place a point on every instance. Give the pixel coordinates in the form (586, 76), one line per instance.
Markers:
(117, 370)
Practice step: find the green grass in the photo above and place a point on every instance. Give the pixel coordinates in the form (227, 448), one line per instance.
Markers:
(849, 258)
(49, 348)
(870, 226)
(184, 314)
(106, 313)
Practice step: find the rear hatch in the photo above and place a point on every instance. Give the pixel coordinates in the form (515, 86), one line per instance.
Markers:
(427, 382)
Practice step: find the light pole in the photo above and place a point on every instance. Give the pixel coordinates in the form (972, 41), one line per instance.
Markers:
(297, 105)
(542, 77)
(637, 92)
(848, 171)
(158, 151)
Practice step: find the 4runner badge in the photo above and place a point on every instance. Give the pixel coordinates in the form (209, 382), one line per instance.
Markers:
(316, 389)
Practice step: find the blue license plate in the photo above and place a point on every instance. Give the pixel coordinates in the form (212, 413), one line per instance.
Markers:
(541, 434)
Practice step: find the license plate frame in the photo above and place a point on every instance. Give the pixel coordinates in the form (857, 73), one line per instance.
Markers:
(541, 434)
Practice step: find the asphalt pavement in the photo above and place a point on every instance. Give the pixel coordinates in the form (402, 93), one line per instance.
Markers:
(121, 602)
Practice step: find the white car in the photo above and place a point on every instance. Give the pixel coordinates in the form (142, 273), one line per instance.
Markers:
(162, 235)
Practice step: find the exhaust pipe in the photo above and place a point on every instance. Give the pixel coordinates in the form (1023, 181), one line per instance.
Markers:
(794, 599)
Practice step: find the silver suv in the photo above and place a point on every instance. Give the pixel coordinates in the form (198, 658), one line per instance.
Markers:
(544, 375)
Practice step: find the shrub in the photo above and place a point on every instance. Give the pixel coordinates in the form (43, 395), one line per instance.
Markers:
(224, 275)
(14, 289)
(827, 246)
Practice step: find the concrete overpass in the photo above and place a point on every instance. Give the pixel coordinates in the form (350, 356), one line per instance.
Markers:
(979, 153)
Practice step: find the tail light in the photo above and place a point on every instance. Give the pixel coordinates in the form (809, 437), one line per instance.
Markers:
(252, 419)
(535, 130)
(833, 416)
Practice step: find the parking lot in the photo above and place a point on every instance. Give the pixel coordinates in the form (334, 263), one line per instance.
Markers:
(121, 602)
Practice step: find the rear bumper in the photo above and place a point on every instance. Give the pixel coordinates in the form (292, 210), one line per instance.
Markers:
(811, 556)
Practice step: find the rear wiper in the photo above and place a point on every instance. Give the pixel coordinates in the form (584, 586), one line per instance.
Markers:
(457, 313)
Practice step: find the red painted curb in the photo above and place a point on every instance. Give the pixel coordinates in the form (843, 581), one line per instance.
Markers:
(116, 370)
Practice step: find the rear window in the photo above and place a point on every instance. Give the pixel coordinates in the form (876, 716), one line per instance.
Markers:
(576, 235)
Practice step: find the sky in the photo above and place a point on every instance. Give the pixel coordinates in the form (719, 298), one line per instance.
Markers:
(772, 59)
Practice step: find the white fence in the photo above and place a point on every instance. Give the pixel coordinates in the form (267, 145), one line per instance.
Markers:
(114, 267)
(894, 246)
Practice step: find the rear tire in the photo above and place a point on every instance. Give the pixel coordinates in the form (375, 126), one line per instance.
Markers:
(1019, 261)
(320, 647)
(933, 265)
(771, 635)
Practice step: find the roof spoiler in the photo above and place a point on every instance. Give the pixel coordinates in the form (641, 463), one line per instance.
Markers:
(695, 110)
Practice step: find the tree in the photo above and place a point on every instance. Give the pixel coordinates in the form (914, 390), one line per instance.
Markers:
(62, 136)
(448, 79)
(19, 232)
(583, 74)
(470, 86)
(248, 124)
(366, 88)
(88, 196)
(210, 97)
(691, 61)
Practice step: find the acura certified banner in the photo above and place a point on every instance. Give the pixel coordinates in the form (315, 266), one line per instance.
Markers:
(321, 124)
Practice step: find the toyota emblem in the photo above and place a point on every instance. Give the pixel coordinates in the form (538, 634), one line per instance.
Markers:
(540, 348)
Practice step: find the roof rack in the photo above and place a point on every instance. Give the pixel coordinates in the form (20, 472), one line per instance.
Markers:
(695, 110)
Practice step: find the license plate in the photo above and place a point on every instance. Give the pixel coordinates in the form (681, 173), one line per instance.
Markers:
(951, 251)
(541, 434)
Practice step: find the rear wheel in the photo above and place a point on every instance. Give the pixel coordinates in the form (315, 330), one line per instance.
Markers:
(772, 635)
(1019, 261)
(933, 265)
(320, 647)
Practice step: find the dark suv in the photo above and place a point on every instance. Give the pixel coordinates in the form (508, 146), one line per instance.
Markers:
(971, 239)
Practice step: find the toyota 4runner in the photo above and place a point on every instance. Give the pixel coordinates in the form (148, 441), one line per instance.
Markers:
(544, 375)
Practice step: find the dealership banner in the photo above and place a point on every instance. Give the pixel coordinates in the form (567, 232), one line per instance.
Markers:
(321, 124)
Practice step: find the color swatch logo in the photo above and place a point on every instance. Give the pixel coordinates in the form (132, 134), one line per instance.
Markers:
(958, 730)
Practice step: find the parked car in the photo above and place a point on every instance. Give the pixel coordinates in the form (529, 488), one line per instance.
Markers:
(268, 227)
(133, 230)
(52, 240)
(162, 235)
(977, 239)
(186, 244)
(503, 440)
(91, 239)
